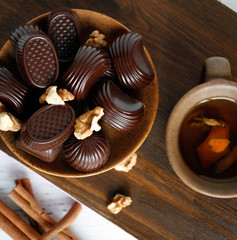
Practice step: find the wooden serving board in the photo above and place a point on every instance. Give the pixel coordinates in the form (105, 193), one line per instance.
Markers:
(179, 35)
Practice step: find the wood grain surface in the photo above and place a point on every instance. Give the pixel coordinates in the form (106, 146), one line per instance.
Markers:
(179, 35)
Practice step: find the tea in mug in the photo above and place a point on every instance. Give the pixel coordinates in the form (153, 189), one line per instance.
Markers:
(208, 139)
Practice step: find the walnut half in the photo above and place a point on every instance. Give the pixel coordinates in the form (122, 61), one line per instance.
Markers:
(127, 164)
(65, 95)
(87, 123)
(7, 121)
(52, 96)
(96, 40)
(118, 203)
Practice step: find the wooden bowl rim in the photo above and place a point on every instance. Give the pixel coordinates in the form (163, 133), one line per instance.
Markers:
(141, 140)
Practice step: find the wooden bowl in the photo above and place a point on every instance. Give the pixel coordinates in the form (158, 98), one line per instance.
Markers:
(122, 144)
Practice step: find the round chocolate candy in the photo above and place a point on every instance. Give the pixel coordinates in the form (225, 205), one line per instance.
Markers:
(37, 59)
(49, 127)
(89, 154)
(45, 155)
(121, 111)
(130, 62)
(89, 64)
(13, 93)
(64, 29)
(17, 33)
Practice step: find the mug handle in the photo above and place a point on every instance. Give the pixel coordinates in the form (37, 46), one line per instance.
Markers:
(216, 69)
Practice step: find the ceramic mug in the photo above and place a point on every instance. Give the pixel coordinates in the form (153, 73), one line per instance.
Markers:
(217, 85)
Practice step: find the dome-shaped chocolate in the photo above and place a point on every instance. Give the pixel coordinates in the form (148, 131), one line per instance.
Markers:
(130, 62)
(89, 154)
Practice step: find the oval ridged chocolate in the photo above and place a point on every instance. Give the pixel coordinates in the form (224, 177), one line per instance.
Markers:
(89, 64)
(64, 30)
(130, 62)
(89, 154)
(120, 110)
(17, 33)
(50, 126)
(37, 59)
(12, 92)
(45, 155)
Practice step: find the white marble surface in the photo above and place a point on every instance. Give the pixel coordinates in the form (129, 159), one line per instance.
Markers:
(230, 3)
(89, 225)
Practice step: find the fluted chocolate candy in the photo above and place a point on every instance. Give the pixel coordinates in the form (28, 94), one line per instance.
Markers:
(130, 62)
(12, 92)
(121, 111)
(64, 30)
(45, 155)
(110, 73)
(89, 154)
(49, 127)
(17, 33)
(89, 64)
(37, 59)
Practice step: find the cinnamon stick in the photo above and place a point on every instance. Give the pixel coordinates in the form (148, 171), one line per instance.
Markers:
(52, 222)
(24, 199)
(8, 227)
(13, 225)
(25, 182)
(44, 215)
(65, 222)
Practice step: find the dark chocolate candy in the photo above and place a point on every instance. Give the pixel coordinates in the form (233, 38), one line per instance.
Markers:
(89, 154)
(64, 29)
(89, 64)
(37, 59)
(13, 92)
(130, 62)
(17, 33)
(45, 155)
(49, 127)
(110, 73)
(120, 110)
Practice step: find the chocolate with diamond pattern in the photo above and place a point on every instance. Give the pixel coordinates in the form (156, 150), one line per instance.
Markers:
(49, 127)
(37, 59)
(64, 29)
(45, 155)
